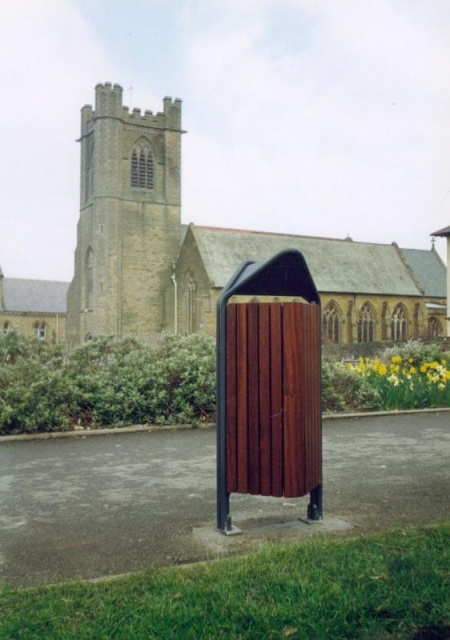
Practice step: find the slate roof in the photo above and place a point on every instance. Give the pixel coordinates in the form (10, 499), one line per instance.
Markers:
(339, 266)
(444, 233)
(429, 270)
(34, 296)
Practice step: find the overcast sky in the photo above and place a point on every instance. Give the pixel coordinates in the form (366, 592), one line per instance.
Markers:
(312, 117)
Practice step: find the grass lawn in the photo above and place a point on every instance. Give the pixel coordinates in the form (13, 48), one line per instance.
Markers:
(389, 585)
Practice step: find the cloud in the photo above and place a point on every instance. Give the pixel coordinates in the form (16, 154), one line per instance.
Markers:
(50, 60)
(311, 117)
(347, 132)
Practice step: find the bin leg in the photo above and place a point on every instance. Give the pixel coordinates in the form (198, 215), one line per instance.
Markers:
(223, 510)
(315, 510)
(224, 523)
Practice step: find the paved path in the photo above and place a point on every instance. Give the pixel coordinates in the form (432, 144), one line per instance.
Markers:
(99, 506)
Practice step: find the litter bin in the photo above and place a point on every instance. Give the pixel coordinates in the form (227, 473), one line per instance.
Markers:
(269, 431)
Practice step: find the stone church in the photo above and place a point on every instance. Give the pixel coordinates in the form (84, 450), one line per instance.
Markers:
(140, 271)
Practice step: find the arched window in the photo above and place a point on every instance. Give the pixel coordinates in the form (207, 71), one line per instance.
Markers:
(6, 327)
(434, 327)
(39, 330)
(150, 172)
(399, 323)
(330, 323)
(89, 279)
(191, 303)
(366, 323)
(142, 169)
(134, 169)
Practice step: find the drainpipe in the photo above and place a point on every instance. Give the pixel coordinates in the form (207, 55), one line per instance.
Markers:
(175, 304)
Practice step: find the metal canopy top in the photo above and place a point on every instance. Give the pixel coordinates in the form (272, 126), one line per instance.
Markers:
(285, 274)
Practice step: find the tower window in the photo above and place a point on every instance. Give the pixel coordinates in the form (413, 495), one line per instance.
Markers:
(149, 172)
(134, 169)
(142, 170)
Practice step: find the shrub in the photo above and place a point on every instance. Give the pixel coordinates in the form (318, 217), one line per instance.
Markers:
(106, 382)
(33, 393)
(173, 380)
(16, 348)
(344, 390)
(414, 352)
(190, 389)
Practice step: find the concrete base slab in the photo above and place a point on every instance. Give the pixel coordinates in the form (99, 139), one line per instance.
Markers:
(255, 532)
(233, 531)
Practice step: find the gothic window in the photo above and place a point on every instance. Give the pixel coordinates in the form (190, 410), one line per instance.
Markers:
(399, 324)
(89, 279)
(366, 323)
(39, 330)
(142, 167)
(6, 327)
(434, 328)
(150, 172)
(330, 323)
(134, 169)
(191, 304)
(207, 303)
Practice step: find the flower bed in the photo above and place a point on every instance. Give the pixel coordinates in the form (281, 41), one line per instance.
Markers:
(406, 383)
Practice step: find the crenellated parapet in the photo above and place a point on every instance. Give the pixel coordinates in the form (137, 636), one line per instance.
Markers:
(169, 119)
(108, 104)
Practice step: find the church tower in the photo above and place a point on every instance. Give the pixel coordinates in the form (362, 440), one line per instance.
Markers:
(129, 229)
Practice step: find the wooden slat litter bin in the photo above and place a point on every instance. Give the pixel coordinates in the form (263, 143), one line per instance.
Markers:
(269, 403)
(273, 414)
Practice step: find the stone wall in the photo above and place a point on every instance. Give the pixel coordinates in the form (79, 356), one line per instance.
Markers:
(54, 325)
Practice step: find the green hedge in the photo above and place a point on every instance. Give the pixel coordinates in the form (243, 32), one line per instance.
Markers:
(105, 382)
(173, 380)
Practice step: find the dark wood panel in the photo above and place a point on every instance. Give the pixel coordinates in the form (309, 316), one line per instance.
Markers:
(264, 401)
(242, 398)
(231, 399)
(293, 400)
(276, 397)
(253, 370)
(313, 428)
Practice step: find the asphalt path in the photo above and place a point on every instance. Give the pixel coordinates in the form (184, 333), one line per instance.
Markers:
(91, 507)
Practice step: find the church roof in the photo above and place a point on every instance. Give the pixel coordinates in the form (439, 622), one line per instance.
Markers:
(429, 270)
(34, 296)
(444, 233)
(338, 266)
